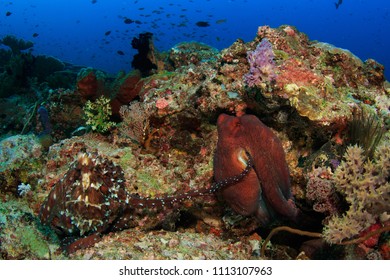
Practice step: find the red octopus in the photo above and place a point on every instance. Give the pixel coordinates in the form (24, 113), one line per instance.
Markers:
(265, 191)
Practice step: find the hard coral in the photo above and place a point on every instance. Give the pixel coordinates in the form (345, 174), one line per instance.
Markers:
(365, 185)
(295, 71)
(187, 53)
(322, 82)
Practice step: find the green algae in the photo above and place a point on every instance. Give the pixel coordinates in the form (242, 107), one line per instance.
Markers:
(148, 181)
(33, 242)
(126, 158)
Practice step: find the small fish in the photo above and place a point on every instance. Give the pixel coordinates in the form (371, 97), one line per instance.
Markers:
(128, 21)
(35, 35)
(221, 21)
(120, 52)
(93, 1)
(7, 14)
(338, 4)
(107, 33)
(202, 24)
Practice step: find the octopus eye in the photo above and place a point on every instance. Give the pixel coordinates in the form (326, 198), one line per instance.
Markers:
(243, 157)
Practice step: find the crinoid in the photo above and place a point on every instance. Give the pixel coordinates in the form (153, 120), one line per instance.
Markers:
(365, 130)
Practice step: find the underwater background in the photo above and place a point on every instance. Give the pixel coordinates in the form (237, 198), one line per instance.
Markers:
(95, 32)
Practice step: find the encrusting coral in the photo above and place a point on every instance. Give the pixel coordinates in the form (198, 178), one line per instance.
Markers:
(365, 185)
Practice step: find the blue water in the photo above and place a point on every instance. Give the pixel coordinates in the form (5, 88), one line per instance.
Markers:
(74, 30)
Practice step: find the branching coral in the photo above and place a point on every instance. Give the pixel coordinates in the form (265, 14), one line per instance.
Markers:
(98, 114)
(365, 185)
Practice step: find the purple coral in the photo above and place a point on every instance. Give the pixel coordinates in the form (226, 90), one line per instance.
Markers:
(262, 65)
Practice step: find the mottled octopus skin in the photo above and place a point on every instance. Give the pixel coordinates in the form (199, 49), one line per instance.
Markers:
(91, 200)
(265, 191)
(87, 199)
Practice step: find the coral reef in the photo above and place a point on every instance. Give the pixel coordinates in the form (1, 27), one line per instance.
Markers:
(19, 70)
(20, 162)
(164, 142)
(186, 53)
(135, 124)
(320, 81)
(21, 234)
(166, 245)
(45, 66)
